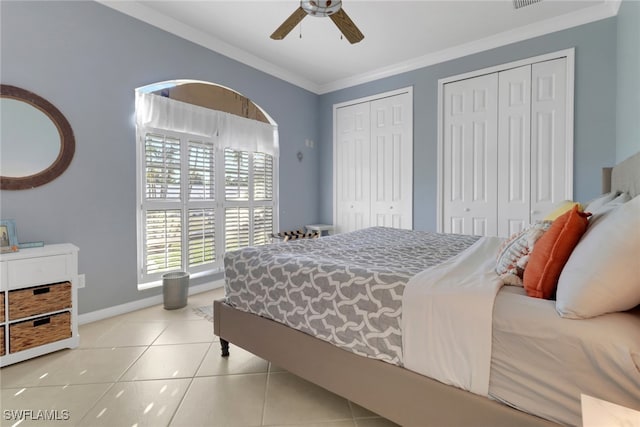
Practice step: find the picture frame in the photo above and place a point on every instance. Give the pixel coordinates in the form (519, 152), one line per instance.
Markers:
(8, 236)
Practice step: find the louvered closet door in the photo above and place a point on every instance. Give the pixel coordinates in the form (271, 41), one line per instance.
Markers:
(470, 156)
(353, 168)
(549, 178)
(514, 146)
(392, 162)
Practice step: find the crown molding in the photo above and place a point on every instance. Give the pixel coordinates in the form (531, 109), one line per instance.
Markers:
(603, 10)
(145, 14)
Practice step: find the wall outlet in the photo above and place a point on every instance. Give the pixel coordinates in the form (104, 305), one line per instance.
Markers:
(81, 280)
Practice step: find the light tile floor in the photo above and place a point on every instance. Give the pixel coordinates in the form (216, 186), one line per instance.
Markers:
(157, 367)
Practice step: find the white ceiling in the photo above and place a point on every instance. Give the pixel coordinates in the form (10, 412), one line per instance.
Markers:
(399, 35)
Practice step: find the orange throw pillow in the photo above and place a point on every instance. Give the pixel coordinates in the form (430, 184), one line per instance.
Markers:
(551, 253)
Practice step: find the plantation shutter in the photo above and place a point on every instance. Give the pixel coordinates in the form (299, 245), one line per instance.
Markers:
(163, 245)
(249, 192)
(236, 228)
(162, 155)
(262, 191)
(201, 219)
(207, 183)
(262, 176)
(236, 172)
(202, 236)
(164, 240)
(201, 171)
(262, 225)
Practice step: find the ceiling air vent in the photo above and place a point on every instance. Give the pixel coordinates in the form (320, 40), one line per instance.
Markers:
(522, 3)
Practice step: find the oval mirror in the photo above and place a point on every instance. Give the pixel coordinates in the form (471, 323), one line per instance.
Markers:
(36, 140)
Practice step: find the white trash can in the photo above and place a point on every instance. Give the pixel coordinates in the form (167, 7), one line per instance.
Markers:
(175, 288)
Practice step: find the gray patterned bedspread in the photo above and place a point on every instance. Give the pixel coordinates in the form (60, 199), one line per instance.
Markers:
(346, 289)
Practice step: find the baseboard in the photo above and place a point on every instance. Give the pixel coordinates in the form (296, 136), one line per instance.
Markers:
(105, 313)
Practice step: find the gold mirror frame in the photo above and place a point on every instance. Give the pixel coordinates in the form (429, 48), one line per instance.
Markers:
(67, 141)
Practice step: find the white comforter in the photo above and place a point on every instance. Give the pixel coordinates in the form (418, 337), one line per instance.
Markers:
(447, 318)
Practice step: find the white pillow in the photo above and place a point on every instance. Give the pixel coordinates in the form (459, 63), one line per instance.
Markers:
(602, 274)
(615, 202)
(599, 202)
(606, 209)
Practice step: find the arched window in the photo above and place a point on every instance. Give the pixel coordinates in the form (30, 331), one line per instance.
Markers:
(207, 177)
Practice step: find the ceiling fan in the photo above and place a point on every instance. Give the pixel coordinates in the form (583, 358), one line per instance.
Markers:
(321, 8)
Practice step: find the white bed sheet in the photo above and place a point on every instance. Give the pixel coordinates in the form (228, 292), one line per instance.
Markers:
(447, 318)
(542, 363)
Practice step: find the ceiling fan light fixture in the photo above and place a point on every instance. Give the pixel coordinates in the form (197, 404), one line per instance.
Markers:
(321, 8)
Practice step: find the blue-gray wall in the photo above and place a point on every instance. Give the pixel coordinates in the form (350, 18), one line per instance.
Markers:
(628, 81)
(595, 122)
(87, 60)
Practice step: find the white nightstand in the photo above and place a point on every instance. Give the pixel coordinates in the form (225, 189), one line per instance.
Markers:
(320, 228)
(39, 302)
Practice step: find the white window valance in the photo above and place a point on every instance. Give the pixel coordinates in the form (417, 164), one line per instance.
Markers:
(229, 130)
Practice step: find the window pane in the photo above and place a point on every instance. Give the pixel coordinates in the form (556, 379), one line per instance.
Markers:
(236, 174)
(201, 171)
(202, 243)
(236, 228)
(262, 176)
(162, 167)
(262, 225)
(164, 240)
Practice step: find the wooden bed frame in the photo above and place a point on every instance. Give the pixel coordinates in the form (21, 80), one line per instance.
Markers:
(400, 395)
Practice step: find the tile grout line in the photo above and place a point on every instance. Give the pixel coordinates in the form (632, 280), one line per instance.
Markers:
(184, 395)
(88, 411)
(353, 415)
(113, 384)
(124, 372)
(191, 380)
(264, 399)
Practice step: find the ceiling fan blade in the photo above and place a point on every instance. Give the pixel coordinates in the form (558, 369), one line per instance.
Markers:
(289, 24)
(346, 26)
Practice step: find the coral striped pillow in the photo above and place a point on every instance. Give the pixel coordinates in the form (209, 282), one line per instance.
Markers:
(513, 255)
(551, 253)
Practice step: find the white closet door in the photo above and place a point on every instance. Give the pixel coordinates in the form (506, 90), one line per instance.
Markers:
(550, 170)
(392, 162)
(514, 132)
(470, 156)
(353, 168)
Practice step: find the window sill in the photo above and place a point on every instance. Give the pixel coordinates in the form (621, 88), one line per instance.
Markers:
(158, 283)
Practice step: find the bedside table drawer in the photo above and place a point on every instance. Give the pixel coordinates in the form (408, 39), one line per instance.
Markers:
(35, 271)
(39, 300)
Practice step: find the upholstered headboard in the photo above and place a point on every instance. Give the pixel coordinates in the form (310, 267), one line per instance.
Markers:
(624, 177)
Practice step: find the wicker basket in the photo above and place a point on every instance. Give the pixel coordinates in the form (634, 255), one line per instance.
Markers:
(2, 343)
(39, 300)
(36, 332)
(1, 307)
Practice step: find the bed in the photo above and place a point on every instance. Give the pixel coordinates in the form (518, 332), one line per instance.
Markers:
(367, 348)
